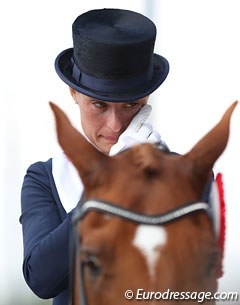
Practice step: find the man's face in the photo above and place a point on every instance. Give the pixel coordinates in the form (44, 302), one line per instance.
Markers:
(103, 122)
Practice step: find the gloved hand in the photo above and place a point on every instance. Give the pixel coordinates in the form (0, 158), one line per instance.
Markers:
(137, 132)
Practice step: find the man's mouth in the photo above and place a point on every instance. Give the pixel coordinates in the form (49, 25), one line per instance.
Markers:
(111, 139)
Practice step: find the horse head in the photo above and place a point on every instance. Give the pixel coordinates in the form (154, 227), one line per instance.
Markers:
(118, 255)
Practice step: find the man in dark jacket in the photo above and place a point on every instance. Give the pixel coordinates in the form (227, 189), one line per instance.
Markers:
(111, 71)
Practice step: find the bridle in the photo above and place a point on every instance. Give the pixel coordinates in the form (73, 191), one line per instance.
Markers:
(116, 210)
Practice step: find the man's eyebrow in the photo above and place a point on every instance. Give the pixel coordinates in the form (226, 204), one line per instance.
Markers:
(96, 100)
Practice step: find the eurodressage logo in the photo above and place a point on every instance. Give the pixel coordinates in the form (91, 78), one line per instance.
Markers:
(200, 297)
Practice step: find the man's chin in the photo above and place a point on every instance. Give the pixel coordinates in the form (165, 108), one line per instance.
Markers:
(105, 144)
(104, 147)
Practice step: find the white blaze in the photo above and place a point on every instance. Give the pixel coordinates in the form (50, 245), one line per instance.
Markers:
(149, 239)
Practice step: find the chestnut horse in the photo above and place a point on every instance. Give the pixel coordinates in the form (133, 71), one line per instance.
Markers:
(129, 246)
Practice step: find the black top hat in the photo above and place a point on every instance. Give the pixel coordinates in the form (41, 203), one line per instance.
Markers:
(112, 57)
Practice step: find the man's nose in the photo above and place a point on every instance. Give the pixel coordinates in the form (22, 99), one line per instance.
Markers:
(115, 121)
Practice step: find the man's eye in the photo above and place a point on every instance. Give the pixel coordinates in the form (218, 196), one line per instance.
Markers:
(131, 105)
(99, 104)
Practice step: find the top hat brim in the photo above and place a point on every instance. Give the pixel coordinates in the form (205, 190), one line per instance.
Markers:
(63, 66)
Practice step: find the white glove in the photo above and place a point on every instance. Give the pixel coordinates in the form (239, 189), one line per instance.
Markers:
(137, 132)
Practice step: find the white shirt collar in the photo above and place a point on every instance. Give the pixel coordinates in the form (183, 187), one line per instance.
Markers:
(67, 181)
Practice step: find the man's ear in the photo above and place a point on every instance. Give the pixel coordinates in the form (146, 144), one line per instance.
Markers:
(73, 94)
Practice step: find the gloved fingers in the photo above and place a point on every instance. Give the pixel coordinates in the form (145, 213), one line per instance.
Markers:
(130, 141)
(124, 143)
(144, 132)
(116, 148)
(140, 118)
(154, 137)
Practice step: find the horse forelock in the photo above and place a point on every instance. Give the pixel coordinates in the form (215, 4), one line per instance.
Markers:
(147, 158)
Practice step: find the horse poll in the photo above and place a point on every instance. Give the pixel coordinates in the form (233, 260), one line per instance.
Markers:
(144, 232)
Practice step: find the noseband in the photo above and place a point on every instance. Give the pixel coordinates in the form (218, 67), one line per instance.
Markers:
(114, 210)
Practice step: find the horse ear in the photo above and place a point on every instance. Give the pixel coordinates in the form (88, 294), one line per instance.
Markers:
(210, 147)
(83, 154)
